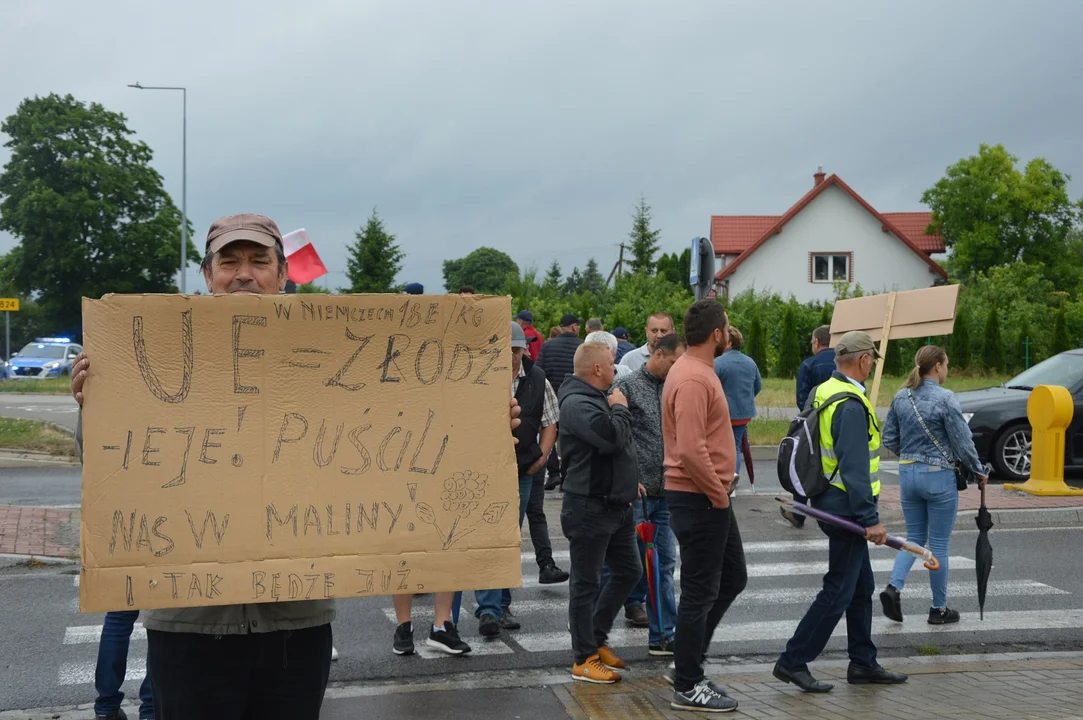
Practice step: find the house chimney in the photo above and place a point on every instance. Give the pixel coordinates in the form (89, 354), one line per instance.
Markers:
(818, 177)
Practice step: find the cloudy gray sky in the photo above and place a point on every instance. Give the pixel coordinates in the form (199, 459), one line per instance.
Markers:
(533, 127)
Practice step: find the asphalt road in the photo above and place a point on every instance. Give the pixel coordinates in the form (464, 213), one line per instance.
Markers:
(59, 409)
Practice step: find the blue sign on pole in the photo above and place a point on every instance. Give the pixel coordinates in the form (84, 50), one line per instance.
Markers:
(693, 274)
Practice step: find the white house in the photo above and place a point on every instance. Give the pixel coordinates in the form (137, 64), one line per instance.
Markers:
(829, 235)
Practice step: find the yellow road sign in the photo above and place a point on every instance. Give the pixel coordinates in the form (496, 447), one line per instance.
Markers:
(9, 304)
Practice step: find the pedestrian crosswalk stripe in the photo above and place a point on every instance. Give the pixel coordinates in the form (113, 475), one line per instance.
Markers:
(775, 546)
(83, 673)
(79, 634)
(781, 630)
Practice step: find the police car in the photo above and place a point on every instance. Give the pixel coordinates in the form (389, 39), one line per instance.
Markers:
(46, 357)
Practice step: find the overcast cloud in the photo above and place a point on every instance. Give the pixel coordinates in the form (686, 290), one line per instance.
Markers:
(533, 127)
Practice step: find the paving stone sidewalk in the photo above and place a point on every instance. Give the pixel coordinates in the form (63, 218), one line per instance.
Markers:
(996, 498)
(39, 531)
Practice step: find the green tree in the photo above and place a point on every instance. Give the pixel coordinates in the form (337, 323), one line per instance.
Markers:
(992, 346)
(487, 270)
(1019, 356)
(554, 278)
(894, 364)
(311, 288)
(373, 259)
(645, 240)
(992, 214)
(574, 284)
(825, 315)
(1061, 342)
(89, 212)
(960, 340)
(755, 345)
(593, 281)
(789, 356)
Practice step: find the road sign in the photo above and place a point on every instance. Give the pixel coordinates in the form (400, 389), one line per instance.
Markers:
(9, 304)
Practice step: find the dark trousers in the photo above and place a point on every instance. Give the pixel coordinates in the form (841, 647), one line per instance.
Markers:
(255, 676)
(713, 574)
(552, 464)
(112, 666)
(848, 588)
(597, 533)
(539, 526)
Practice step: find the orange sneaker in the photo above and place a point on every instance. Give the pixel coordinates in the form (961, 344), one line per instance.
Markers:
(610, 660)
(594, 671)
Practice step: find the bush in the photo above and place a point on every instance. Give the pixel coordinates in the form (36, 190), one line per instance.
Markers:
(960, 340)
(992, 348)
(789, 356)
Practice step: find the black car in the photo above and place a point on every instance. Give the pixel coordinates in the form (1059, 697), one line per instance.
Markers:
(998, 416)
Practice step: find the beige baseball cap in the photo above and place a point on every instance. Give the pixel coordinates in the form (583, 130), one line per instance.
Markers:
(856, 341)
(243, 226)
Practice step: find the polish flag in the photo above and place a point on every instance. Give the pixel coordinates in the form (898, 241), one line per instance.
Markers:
(305, 263)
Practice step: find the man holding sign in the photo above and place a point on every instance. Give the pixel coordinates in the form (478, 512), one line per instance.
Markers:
(266, 660)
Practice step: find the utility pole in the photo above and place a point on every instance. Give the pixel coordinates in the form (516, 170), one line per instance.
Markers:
(619, 267)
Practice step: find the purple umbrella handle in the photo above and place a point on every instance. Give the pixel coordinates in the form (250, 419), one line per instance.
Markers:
(926, 557)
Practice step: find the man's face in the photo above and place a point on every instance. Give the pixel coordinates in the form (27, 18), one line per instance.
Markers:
(663, 363)
(245, 268)
(516, 360)
(816, 347)
(657, 328)
(722, 339)
(522, 323)
(608, 373)
(574, 328)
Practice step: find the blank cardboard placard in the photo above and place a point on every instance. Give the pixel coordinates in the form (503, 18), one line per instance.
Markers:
(927, 312)
(250, 449)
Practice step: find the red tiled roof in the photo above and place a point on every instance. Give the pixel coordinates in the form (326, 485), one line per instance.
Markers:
(733, 234)
(914, 224)
(776, 227)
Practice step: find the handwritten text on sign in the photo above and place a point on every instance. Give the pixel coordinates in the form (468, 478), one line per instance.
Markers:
(275, 448)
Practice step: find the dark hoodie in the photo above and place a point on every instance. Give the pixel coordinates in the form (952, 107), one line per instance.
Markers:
(596, 445)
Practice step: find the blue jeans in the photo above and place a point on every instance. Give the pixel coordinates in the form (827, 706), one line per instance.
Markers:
(112, 664)
(739, 435)
(929, 502)
(493, 602)
(665, 545)
(848, 587)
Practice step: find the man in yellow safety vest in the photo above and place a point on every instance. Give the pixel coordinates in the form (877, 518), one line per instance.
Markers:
(850, 453)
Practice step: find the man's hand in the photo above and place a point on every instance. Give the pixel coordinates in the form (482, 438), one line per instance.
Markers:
(538, 465)
(642, 491)
(616, 397)
(877, 533)
(515, 409)
(983, 480)
(78, 376)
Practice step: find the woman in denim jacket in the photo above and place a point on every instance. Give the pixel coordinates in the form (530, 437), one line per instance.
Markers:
(930, 499)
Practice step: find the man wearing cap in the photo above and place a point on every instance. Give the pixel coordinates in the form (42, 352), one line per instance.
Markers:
(525, 318)
(623, 346)
(850, 453)
(414, 289)
(557, 359)
(265, 660)
(536, 434)
(659, 325)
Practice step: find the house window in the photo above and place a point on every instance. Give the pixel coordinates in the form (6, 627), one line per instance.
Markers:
(830, 267)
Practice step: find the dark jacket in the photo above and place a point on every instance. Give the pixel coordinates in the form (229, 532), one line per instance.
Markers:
(850, 430)
(813, 371)
(644, 392)
(596, 446)
(531, 397)
(557, 358)
(741, 383)
(623, 348)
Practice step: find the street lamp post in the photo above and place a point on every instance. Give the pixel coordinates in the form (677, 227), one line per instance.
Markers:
(184, 175)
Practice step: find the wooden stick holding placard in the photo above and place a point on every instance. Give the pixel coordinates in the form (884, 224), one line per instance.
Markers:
(883, 349)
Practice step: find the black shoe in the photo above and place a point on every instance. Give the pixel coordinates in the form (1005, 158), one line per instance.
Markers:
(489, 626)
(858, 675)
(662, 649)
(118, 715)
(637, 616)
(448, 640)
(551, 575)
(793, 518)
(892, 602)
(552, 482)
(802, 679)
(508, 621)
(404, 639)
(703, 698)
(943, 617)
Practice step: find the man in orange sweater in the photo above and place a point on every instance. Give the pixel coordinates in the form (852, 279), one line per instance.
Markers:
(701, 459)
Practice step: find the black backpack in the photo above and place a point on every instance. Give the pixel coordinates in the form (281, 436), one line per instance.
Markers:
(800, 470)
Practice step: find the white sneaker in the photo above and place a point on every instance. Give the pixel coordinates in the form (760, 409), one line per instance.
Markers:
(334, 653)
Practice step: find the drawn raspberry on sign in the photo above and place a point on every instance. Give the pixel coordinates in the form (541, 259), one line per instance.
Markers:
(463, 491)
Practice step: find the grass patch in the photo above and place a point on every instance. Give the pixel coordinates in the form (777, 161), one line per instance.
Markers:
(781, 392)
(767, 432)
(31, 435)
(49, 386)
(928, 650)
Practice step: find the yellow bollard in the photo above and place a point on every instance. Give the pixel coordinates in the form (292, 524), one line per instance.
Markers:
(1049, 410)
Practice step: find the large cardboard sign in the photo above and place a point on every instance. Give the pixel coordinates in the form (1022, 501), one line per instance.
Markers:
(253, 449)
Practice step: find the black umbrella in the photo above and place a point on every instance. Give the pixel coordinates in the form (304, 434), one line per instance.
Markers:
(983, 552)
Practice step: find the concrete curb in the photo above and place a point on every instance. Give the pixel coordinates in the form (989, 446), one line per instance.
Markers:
(9, 560)
(10, 457)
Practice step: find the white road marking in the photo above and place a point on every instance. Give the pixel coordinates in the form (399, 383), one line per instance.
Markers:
(83, 673)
